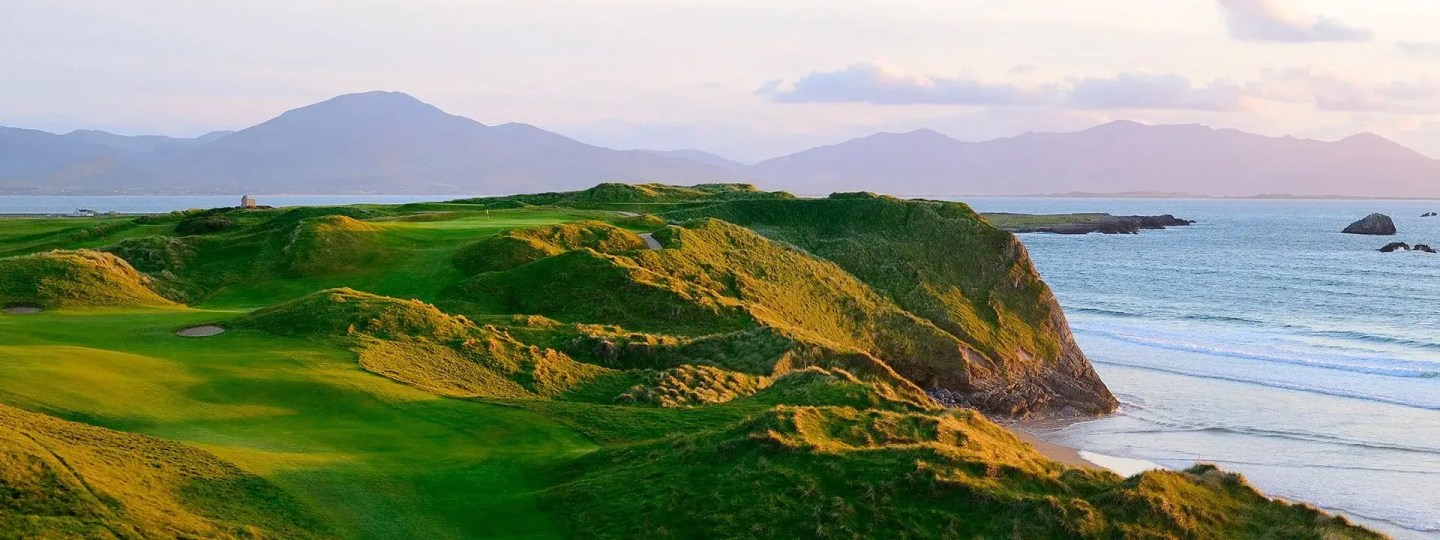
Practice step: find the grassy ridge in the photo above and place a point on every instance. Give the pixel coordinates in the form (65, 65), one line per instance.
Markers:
(66, 279)
(61, 478)
(416, 343)
(521, 246)
(807, 472)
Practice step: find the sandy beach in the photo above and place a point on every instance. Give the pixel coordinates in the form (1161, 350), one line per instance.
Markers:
(1081, 458)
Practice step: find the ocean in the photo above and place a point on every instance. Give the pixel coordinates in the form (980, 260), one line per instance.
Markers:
(1263, 340)
(1260, 339)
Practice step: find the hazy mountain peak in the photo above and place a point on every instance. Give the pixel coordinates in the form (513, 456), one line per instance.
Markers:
(1366, 137)
(1119, 125)
(374, 105)
(922, 135)
(924, 132)
(375, 97)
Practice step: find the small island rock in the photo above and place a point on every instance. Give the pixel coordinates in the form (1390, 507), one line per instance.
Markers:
(1396, 246)
(1429, 214)
(1373, 224)
(1423, 247)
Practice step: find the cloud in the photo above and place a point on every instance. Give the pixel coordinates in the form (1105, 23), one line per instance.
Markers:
(1277, 21)
(1318, 88)
(1329, 91)
(1419, 49)
(883, 84)
(1147, 91)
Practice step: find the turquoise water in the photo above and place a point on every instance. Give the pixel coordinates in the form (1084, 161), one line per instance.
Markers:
(1263, 340)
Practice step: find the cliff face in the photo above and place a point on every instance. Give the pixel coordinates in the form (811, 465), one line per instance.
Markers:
(944, 264)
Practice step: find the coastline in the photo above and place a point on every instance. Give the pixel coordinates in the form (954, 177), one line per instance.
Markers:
(1076, 457)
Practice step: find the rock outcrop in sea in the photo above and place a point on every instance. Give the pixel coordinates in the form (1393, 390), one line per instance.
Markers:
(1402, 246)
(1429, 214)
(1373, 224)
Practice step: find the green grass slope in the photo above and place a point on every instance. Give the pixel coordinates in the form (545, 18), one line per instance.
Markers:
(62, 479)
(330, 245)
(716, 283)
(264, 256)
(941, 262)
(807, 472)
(586, 286)
(520, 246)
(413, 342)
(68, 279)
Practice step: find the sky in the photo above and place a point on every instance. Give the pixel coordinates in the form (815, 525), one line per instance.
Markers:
(746, 79)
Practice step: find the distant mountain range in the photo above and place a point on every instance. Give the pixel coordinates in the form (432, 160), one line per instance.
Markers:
(389, 142)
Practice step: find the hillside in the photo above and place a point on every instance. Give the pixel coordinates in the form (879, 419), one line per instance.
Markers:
(700, 361)
(1008, 328)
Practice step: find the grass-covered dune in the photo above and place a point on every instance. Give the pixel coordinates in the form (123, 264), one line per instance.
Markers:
(826, 472)
(63, 479)
(517, 247)
(711, 361)
(66, 279)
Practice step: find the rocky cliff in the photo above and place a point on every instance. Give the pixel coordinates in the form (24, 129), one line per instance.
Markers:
(944, 264)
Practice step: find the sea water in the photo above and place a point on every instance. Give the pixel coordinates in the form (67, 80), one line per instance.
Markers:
(1265, 341)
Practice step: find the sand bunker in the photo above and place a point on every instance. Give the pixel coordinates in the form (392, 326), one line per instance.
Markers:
(204, 330)
(650, 241)
(21, 309)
